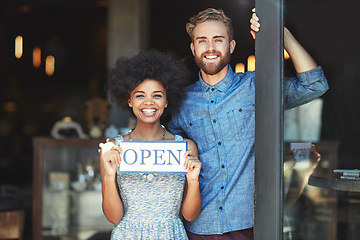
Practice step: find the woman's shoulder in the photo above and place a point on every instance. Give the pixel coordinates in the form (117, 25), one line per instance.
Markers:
(122, 138)
(192, 146)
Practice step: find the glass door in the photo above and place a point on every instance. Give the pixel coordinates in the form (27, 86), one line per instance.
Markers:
(328, 205)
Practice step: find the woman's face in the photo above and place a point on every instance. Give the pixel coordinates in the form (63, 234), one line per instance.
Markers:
(148, 101)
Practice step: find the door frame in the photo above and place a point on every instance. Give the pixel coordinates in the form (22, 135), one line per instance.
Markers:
(269, 121)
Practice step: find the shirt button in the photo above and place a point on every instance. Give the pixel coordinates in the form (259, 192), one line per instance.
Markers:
(213, 89)
(220, 208)
(223, 166)
(222, 187)
(214, 121)
(212, 101)
(240, 110)
(219, 143)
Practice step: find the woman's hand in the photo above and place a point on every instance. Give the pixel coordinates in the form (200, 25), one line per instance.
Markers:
(109, 158)
(192, 166)
(112, 205)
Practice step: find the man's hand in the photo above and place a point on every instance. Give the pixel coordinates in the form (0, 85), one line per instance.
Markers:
(254, 24)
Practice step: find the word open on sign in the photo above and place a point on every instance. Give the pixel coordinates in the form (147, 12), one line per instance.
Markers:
(152, 156)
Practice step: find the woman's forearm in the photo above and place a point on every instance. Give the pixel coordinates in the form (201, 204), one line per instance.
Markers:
(191, 205)
(112, 205)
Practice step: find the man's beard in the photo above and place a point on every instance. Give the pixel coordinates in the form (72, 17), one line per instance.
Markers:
(212, 68)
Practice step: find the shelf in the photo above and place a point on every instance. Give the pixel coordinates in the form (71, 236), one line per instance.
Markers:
(58, 210)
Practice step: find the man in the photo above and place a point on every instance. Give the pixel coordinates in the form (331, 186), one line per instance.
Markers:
(219, 115)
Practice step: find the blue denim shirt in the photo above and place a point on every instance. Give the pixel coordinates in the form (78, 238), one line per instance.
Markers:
(220, 119)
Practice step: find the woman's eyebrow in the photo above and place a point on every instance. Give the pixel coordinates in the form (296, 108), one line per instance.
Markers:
(139, 92)
(159, 92)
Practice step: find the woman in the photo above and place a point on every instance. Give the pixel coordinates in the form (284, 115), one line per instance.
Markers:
(147, 206)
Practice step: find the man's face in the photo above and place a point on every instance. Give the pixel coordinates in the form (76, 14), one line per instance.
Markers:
(211, 47)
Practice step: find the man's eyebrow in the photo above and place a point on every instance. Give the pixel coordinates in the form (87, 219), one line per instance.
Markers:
(201, 38)
(216, 36)
(219, 36)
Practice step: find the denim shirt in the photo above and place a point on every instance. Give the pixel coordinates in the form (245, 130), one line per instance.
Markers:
(220, 119)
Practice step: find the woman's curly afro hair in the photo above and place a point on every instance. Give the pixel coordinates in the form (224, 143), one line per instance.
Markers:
(164, 67)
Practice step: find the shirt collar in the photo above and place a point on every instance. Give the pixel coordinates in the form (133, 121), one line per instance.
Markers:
(223, 85)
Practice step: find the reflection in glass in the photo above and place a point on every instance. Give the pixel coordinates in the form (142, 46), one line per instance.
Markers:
(296, 175)
(322, 211)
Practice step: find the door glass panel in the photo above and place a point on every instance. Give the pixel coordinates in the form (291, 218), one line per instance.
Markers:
(322, 199)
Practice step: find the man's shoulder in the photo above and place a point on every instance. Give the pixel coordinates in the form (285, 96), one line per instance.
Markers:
(194, 87)
(244, 75)
(243, 79)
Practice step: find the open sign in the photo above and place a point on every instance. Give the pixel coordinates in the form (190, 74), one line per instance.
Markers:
(152, 156)
(301, 151)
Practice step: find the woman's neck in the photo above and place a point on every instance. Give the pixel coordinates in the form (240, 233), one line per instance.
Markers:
(148, 132)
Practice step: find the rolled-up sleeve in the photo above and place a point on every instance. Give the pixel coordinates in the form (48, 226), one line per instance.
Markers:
(304, 88)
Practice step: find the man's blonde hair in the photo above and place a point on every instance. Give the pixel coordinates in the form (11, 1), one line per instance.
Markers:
(210, 14)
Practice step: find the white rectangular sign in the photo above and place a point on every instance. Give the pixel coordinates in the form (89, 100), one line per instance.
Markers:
(152, 156)
(301, 151)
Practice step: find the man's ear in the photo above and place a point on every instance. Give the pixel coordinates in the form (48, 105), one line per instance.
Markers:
(192, 48)
(130, 105)
(232, 46)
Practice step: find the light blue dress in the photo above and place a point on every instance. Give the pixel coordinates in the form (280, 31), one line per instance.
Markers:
(151, 206)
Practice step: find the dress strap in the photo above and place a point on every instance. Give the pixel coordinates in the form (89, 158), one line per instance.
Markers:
(118, 140)
(179, 138)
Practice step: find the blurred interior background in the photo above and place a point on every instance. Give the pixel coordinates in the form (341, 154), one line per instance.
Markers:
(55, 56)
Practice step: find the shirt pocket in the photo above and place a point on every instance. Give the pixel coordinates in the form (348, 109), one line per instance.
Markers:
(242, 122)
(198, 131)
